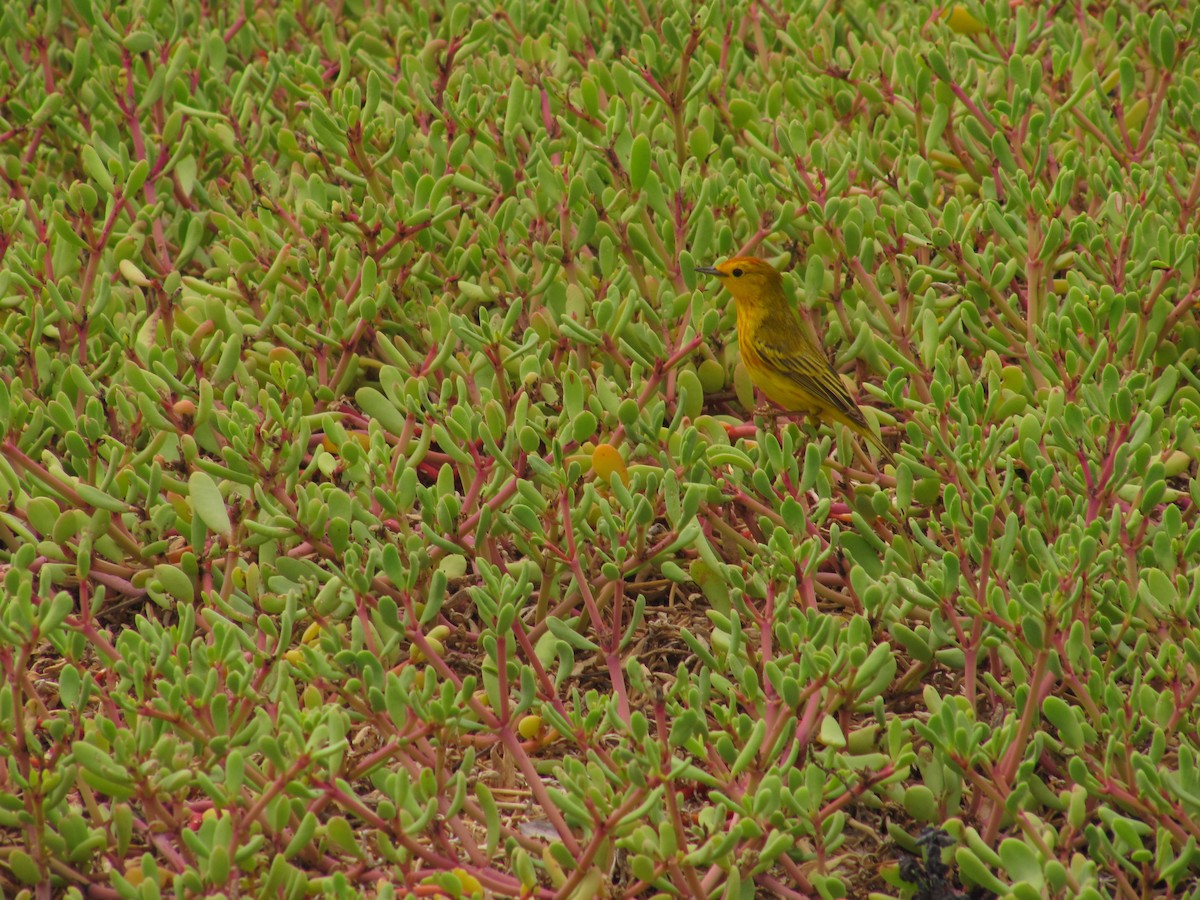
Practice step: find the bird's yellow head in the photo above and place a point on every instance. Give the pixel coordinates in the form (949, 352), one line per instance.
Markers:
(749, 279)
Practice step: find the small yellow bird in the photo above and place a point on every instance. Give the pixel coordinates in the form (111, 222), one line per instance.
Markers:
(783, 363)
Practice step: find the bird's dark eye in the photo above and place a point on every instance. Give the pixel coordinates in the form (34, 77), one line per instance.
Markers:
(737, 273)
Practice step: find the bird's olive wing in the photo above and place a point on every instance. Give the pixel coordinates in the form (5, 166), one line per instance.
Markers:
(805, 364)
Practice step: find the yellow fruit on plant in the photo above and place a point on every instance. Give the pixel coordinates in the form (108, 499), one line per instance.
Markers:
(960, 20)
(606, 459)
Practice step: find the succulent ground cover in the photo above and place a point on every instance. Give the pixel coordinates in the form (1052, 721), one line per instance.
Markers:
(383, 510)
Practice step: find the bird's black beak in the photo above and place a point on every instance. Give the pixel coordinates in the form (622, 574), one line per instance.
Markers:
(709, 270)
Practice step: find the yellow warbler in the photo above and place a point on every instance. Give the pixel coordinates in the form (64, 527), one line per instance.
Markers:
(783, 363)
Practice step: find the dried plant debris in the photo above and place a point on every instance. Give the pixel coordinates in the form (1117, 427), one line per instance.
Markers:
(930, 873)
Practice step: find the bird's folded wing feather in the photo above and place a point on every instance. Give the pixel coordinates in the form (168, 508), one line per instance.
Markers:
(810, 371)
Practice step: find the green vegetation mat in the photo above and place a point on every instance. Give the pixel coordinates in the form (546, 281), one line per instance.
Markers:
(383, 508)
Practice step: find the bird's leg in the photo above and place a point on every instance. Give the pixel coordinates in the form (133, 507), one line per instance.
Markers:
(770, 411)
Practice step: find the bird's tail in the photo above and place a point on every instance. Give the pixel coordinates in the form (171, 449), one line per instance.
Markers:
(863, 429)
(870, 436)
